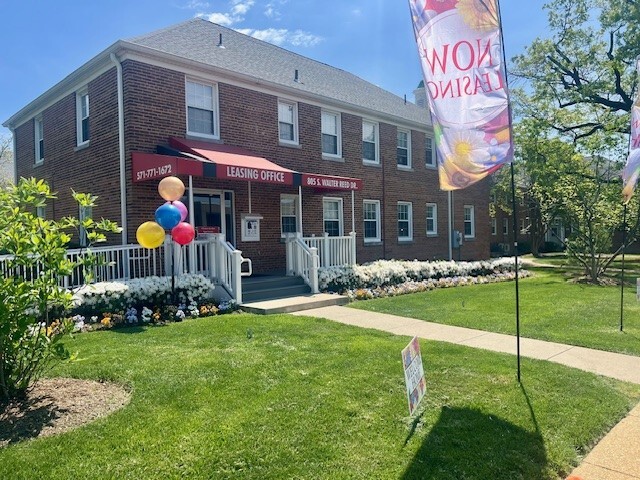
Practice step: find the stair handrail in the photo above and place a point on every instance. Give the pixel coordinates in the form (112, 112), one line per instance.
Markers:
(228, 267)
(303, 261)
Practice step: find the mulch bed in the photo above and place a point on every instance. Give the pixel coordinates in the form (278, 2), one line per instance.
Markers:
(58, 405)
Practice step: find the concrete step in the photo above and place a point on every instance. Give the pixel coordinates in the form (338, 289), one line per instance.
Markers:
(268, 287)
(294, 304)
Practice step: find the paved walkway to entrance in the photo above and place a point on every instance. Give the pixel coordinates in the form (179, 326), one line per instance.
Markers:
(616, 457)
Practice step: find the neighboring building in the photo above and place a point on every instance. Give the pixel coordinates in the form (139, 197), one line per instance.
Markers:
(7, 173)
(264, 134)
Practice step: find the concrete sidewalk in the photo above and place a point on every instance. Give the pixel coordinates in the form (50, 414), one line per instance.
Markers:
(616, 457)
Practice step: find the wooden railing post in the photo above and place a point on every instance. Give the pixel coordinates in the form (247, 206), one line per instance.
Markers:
(352, 260)
(237, 276)
(313, 270)
(326, 251)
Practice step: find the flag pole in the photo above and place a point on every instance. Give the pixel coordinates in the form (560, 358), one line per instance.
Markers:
(513, 193)
(624, 244)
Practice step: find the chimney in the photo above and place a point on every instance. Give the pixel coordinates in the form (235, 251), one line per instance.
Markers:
(420, 95)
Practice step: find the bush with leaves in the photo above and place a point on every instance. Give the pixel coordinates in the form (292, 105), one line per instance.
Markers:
(32, 301)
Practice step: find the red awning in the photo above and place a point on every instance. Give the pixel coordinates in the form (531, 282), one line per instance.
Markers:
(235, 163)
(229, 163)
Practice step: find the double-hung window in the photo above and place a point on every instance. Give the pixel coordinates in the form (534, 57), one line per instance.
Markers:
(288, 214)
(331, 134)
(405, 221)
(432, 219)
(430, 153)
(505, 226)
(82, 116)
(39, 141)
(288, 122)
(370, 148)
(469, 222)
(494, 226)
(371, 215)
(403, 149)
(202, 109)
(332, 216)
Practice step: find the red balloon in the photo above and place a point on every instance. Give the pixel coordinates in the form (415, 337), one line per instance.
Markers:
(183, 233)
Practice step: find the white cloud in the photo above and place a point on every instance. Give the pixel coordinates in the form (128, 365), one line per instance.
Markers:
(219, 18)
(304, 39)
(281, 36)
(195, 5)
(277, 36)
(241, 7)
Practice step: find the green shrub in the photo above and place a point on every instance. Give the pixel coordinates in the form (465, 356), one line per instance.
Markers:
(31, 299)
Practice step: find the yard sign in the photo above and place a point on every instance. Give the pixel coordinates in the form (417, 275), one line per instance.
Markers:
(413, 374)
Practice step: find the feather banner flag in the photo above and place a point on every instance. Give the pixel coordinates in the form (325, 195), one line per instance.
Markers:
(460, 48)
(632, 168)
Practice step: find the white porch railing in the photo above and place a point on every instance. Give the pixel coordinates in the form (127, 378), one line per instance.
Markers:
(121, 262)
(214, 258)
(334, 251)
(228, 266)
(303, 260)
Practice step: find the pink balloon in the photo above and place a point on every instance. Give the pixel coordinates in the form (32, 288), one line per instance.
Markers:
(182, 207)
(183, 233)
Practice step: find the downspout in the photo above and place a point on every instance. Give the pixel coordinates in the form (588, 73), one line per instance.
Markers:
(123, 181)
(15, 156)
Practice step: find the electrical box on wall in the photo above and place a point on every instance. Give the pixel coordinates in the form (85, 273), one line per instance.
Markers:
(251, 227)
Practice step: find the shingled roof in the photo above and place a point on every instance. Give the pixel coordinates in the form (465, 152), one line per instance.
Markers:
(198, 40)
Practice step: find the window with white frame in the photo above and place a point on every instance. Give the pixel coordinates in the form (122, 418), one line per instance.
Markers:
(332, 216)
(370, 142)
(82, 116)
(39, 140)
(405, 221)
(494, 226)
(41, 212)
(331, 134)
(505, 226)
(469, 222)
(371, 215)
(430, 153)
(432, 219)
(288, 122)
(403, 149)
(202, 109)
(524, 225)
(289, 214)
(84, 213)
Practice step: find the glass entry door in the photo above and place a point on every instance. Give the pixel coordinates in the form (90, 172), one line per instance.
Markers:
(215, 211)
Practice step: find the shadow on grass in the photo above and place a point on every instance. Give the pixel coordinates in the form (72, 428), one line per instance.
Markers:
(466, 443)
(132, 329)
(25, 419)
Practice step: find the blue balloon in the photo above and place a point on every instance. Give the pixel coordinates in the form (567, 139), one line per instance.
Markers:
(168, 216)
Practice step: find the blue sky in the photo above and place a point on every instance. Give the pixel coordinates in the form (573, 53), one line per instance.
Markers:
(43, 41)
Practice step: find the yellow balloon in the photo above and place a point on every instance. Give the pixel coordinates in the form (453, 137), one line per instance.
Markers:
(171, 188)
(150, 235)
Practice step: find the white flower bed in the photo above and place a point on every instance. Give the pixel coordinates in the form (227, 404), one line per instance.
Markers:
(386, 273)
(106, 296)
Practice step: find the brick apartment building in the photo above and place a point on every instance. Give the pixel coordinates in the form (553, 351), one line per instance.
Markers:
(261, 133)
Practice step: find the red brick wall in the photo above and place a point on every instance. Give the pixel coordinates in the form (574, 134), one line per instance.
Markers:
(154, 99)
(92, 168)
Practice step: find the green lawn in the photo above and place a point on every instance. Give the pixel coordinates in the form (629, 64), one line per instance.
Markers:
(307, 398)
(551, 308)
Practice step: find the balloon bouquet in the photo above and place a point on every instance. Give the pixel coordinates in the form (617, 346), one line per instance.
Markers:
(170, 216)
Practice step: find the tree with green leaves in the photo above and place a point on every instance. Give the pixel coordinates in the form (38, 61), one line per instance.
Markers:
(32, 299)
(576, 89)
